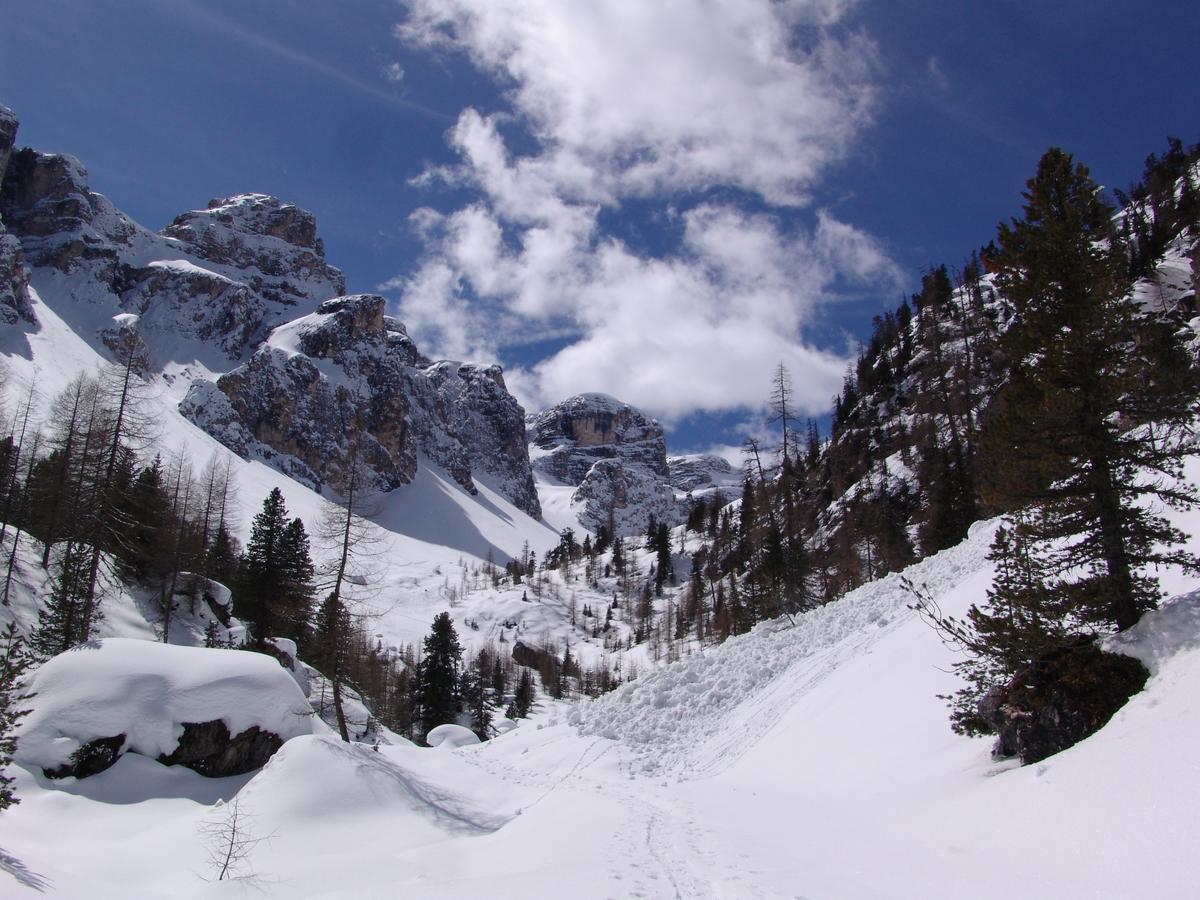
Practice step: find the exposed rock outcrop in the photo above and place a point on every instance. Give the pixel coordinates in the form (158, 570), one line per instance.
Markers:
(1059, 699)
(220, 278)
(15, 302)
(208, 748)
(8, 137)
(91, 759)
(348, 369)
(615, 455)
(703, 472)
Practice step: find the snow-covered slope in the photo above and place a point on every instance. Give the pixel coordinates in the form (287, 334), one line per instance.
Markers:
(808, 760)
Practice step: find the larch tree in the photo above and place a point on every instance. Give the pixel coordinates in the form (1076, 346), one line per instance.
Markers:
(348, 534)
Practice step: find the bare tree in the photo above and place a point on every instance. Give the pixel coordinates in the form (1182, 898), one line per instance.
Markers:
(346, 530)
(231, 841)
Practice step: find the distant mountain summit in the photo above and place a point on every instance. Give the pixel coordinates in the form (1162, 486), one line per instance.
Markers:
(216, 279)
(615, 456)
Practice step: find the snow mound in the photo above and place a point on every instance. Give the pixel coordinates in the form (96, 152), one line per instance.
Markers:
(147, 691)
(356, 781)
(678, 718)
(1162, 633)
(451, 737)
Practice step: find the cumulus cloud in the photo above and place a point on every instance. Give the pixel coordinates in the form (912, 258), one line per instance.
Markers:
(654, 102)
(636, 98)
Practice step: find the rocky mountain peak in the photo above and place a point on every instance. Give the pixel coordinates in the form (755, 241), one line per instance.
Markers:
(259, 214)
(8, 137)
(218, 278)
(348, 368)
(15, 303)
(614, 454)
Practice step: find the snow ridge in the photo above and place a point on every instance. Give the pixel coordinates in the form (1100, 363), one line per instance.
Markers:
(681, 718)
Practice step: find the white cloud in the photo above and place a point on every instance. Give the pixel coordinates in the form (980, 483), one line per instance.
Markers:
(651, 101)
(631, 98)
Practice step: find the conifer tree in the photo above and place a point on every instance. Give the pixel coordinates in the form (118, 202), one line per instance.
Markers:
(437, 675)
(1092, 426)
(14, 662)
(275, 590)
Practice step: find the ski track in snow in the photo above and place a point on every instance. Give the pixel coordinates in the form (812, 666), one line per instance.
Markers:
(660, 849)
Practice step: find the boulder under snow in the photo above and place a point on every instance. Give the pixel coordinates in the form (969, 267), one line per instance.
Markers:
(219, 712)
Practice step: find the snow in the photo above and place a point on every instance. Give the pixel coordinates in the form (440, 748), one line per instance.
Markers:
(811, 759)
(451, 737)
(146, 691)
(807, 759)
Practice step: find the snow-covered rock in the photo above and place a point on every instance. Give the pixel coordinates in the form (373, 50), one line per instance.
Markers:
(218, 278)
(158, 700)
(700, 472)
(451, 737)
(614, 454)
(14, 277)
(349, 368)
(274, 243)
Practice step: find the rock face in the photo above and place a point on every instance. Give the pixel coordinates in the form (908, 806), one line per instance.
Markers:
(1060, 699)
(208, 748)
(348, 370)
(703, 472)
(615, 455)
(15, 304)
(218, 278)
(204, 747)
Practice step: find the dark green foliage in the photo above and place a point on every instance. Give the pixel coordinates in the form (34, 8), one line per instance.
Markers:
(274, 592)
(66, 619)
(14, 662)
(144, 512)
(475, 692)
(437, 675)
(1071, 431)
(524, 694)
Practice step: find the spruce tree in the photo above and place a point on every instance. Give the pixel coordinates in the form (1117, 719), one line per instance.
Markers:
(1091, 427)
(14, 662)
(275, 592)
(437, 675)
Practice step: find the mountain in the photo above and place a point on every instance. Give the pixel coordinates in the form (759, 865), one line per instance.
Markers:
(614, 455)
(348, 372)
(730, 750)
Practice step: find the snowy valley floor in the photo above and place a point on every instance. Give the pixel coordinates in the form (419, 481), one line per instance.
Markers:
(808, 761)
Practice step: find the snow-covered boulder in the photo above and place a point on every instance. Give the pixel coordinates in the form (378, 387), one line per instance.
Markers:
(349, 365)
(614, 454)
(451, 737)
(220, 712)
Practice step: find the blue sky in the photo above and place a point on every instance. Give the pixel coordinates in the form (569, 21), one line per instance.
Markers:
(658, 200)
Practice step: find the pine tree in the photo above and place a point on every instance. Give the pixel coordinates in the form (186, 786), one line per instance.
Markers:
(14, 662)
(524, 694)
(1091, 427)
(437, 675)
(275, 586)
